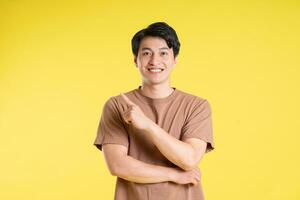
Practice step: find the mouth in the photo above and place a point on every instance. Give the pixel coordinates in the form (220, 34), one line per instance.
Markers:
(155, 70)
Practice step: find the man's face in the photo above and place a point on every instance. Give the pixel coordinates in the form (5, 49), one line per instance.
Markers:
(155, 60)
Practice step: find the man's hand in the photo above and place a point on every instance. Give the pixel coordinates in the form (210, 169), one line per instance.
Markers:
(185, 177)
(135, 116)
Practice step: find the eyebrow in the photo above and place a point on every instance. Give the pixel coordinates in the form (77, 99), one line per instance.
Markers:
(146, 48)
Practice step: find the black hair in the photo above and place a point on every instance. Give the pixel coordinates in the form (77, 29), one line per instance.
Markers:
(157, 29)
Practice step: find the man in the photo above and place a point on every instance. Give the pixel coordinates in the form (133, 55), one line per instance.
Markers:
(153, 137)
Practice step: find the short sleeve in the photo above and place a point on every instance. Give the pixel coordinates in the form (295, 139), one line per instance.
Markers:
(111, 129)
(199, 124)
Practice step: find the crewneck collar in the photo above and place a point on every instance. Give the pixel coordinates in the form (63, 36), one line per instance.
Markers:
(140, 95)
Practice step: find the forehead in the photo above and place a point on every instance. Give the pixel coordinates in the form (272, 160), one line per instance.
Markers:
(150, 42)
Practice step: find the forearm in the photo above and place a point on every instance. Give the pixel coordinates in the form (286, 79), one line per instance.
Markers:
(140, 172)
(183, 154)
(178, 152)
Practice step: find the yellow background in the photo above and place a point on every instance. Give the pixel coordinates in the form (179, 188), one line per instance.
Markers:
(61, 60)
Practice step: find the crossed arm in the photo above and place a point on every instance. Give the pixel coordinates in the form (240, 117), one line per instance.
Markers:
(131, 169)
(185, 154)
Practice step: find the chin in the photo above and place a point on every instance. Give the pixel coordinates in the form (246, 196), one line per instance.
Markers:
(156, 82)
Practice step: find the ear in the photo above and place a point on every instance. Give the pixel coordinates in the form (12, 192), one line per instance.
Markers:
(134, 60)
(175, 59)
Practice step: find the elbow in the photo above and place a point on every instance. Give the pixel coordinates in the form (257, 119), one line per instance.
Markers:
(190, 163)
(113, 172)
(116, 170)
(189, 166)
(116, 166)
(120, 172)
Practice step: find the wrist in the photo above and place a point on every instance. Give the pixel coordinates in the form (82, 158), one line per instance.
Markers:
(151, 128)
(172, 174)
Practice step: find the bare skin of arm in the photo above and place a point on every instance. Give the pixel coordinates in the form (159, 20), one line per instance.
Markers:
(185, 154)
(128, 168)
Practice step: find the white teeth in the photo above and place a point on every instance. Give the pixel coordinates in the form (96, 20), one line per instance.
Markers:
(155, 70)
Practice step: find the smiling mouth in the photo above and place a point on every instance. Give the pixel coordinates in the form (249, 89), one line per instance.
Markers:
(155, 70)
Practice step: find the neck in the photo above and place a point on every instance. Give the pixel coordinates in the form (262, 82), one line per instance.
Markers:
(157, 91)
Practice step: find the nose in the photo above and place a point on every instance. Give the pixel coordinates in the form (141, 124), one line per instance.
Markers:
(154, 60)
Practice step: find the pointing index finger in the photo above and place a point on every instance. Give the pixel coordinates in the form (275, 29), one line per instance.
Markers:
(127, 100)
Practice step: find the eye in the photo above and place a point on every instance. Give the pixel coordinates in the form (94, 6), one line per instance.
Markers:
(146, 53)
(164, 53)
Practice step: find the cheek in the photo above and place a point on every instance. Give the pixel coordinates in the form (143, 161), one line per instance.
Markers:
(142, 70)
(142, 62)
(170, 63)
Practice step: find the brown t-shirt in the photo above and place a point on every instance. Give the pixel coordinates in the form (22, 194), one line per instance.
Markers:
(180, 114)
